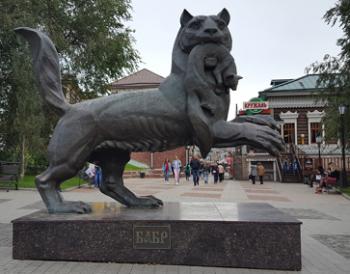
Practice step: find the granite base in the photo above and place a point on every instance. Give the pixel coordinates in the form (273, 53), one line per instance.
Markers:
(249, 235)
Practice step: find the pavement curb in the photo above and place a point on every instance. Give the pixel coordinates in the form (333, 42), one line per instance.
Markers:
(346, 196)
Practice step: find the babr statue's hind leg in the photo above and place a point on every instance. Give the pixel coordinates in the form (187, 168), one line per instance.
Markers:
(112, 163)
(47, 184)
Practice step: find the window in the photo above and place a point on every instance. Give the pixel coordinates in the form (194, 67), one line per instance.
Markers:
(289, 133)
(315, 130)
(315, 126)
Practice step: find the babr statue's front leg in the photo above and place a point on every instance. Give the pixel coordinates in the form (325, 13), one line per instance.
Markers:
(230, 134)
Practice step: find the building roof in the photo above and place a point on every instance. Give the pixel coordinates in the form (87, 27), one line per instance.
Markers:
(306, 82)
(276, 82)
(295, 93)
(141, 79)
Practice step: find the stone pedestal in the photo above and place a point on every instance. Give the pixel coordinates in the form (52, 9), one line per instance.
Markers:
(252, 235)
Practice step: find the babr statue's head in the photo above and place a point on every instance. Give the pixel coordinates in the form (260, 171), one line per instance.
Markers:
(204, 29)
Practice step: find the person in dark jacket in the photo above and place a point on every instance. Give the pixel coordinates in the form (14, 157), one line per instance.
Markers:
(215, 172)
(253, 173)
(188, 171)
(205, 172)
(195, 166)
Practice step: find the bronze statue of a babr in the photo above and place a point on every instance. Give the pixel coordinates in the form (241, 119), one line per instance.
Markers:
(189, 108)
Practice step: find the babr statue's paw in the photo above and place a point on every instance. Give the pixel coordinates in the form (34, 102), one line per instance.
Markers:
(233, 134)
(268, 139)
(264, 120)
(70, 207)
(147, 202)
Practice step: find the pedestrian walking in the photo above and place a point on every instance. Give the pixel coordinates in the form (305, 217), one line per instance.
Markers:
(285, 167)
(206, 171)
(195, 166)
(166, 169)
(253, 173)
(221, 172)
(98, 176)
(261, 172)
(90, 173)
(295, 167)
(176, 165)
(215, 172)
(188, 171)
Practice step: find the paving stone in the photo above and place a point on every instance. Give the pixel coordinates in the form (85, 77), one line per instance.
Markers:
(207, 189)
(306, 213)
(263, 191)
(5, 235)
(268, 198)
(201, 195)
(36, 205)
(339, 243)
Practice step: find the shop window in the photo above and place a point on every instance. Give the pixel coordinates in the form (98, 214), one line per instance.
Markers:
(289, 133)
(315, 130)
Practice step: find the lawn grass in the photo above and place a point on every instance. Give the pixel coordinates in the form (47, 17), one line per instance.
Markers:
(28, 182)
(130, 167)
(345, 190)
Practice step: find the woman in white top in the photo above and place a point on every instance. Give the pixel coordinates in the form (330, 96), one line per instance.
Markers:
(177, 167)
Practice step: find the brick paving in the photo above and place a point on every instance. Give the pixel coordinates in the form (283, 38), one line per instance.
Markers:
(339, 243)
(201, 195)
(5, 235)
(325, 229)
(301, 213)
(267, 198)
(249, 190)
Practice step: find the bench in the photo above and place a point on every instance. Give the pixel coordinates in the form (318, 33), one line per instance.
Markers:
(9, 174)
(330, 183)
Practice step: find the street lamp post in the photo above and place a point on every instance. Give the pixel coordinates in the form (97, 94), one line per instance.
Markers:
(318, 142)
(342, 109)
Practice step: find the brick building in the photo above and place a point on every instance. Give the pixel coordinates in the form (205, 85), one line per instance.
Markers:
(147, 80)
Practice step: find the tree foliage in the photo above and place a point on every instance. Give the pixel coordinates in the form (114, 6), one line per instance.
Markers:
(94, 46)
(335, 70)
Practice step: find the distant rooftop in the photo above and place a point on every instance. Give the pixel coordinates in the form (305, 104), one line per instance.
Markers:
(276, 82)
(141, 79)
(306, 82)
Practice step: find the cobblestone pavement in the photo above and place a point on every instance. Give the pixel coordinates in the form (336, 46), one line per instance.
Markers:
(325, 229)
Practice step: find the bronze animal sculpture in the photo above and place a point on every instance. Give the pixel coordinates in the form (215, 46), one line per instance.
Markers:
(189, 108)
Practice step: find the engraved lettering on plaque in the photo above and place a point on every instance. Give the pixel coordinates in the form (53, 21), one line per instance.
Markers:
(151, 237)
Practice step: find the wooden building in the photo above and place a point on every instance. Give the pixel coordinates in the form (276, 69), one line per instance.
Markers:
(294, 105)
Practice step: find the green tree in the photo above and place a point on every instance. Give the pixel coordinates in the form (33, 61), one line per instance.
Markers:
(335, 71)
(94, 46)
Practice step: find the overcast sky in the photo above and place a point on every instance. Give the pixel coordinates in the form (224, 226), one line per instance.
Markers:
(272, 39)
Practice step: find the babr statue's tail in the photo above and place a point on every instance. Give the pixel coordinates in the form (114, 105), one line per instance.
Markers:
(46, 68)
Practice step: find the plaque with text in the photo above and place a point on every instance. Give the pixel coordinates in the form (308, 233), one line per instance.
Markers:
(151, 237)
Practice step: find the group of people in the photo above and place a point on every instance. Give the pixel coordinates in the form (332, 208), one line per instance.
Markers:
(173, 167)
(325, 178)
(196, 167)
(290, 167)
(257, 170)
(92, 174)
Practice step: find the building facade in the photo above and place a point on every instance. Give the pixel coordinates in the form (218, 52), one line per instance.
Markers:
(294, 104)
